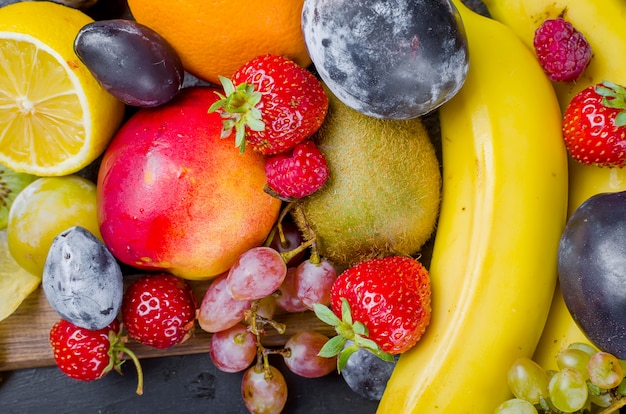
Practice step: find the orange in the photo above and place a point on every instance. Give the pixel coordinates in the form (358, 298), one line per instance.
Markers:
(216, 37)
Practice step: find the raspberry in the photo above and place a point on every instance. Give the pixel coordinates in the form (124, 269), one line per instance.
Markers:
(299, 175)
(563, 51)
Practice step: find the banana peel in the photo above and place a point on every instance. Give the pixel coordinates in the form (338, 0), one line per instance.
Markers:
(504, 206)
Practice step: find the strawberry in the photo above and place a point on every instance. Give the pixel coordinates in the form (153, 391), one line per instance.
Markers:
(159, 310)
(88, 355)
(561, 49)
(384, 306)
(594, 125)
(294, 176)
(272, 104)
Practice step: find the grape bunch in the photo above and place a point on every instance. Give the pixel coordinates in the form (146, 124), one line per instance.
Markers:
(587, 381)
(286, 274)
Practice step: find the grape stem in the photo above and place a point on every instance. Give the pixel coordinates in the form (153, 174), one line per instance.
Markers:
(615, 406)
(315, 256)
(256, 325)
(288, 255)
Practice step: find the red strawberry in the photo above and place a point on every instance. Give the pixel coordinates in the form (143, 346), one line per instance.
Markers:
(298, 175)
(385, 301)
(159, 310)
(563, 51)
(594, 125)
(89, 355)
(272, 103)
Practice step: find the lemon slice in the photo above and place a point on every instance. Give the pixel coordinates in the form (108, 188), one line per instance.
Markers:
(55, 118)
(15, 282)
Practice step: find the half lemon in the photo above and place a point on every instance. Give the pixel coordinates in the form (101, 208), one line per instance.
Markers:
(55, 118)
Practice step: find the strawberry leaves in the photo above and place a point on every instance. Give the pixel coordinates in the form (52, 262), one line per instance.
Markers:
(346, 330)
(238, 107)
(613, 96)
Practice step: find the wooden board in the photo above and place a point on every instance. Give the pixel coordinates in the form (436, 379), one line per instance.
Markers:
(24, 335)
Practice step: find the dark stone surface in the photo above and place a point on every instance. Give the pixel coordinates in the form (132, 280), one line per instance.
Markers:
(177, 384)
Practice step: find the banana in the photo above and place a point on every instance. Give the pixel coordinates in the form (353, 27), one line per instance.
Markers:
(601, 22)
(503, 208)
(561, 330)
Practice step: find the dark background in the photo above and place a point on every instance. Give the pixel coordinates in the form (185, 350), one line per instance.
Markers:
(179, 384)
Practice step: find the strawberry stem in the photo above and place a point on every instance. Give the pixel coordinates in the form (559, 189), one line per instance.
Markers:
(238, 108)
(135, 360)
(119, 348)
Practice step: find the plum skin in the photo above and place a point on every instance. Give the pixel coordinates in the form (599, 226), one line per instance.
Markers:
(592, 270)
(82, 281)
(395, 59)
(131, 61)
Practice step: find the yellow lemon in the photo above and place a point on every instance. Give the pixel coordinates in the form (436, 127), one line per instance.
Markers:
(55, 118)
(15, 282)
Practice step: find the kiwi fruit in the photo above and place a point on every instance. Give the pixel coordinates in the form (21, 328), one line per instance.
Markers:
(383, 193)
(11, 183)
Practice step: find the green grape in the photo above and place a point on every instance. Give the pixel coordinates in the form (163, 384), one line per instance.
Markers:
(516, 406)
(568, 390)
(583, 347)
(605, 370)
(602, 400)
(527, 380)
(574, 358)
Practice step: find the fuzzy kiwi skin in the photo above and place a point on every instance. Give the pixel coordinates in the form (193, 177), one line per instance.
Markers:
(384, 188)
(11, 183)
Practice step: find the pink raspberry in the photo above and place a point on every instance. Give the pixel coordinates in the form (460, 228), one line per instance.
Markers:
(298, 175)
(563, 51)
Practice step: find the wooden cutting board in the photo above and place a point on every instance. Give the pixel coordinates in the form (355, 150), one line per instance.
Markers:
(24, 334)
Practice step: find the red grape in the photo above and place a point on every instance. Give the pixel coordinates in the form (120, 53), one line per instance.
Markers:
(257, 273)
(233, 349)
(266, 307)
(303, 358)
(218, 310)
(287, 299)
(264, 393)
(313, 282)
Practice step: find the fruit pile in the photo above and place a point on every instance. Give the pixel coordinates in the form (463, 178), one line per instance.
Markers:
(289, 163)
(202, 182)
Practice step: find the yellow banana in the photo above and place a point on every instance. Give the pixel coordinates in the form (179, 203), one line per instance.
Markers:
(504, 202)
(561, 330)
(601, 22)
